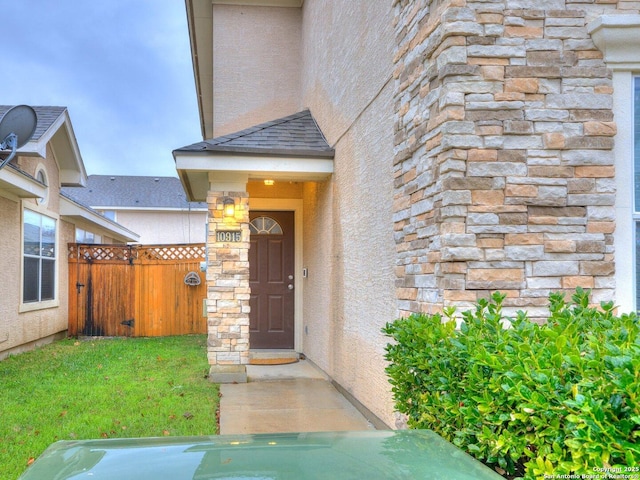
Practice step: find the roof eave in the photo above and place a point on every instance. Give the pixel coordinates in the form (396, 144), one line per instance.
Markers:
(266, 152)
(14, 182)
(200, 23)
(74, 211)
(196, 168)
(61, 137)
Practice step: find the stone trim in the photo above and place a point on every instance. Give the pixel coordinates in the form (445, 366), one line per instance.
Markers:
(228, 283)
(616, 37)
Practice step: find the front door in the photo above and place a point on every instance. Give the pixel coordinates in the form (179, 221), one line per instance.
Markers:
(271, 265)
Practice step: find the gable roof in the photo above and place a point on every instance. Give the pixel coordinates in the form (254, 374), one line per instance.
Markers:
(132, 192)
(54, 126)
(291, 148)
(296, 135)
(46, 117)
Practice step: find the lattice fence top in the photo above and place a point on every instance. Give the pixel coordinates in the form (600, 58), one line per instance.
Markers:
(97, 253)
(172, 252)
(130, 253)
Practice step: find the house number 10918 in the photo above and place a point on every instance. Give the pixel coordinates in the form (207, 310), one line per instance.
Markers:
(228, 236)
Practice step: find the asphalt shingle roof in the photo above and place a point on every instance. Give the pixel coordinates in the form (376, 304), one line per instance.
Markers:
(131, 191)
(294, 135)
(46, 117)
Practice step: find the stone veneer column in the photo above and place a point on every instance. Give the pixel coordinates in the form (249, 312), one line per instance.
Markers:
(228, 289)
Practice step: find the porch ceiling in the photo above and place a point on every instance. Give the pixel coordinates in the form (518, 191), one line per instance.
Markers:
(194, 170)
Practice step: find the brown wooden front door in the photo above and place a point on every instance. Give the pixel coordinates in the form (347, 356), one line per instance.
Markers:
(271, 265)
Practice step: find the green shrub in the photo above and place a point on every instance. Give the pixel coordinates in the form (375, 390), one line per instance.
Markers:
(528, 399)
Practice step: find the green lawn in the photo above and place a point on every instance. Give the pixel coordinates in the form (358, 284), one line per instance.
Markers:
(103, 388)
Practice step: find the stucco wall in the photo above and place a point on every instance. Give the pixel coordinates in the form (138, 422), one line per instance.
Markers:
(10, 267)
(165, 227)
(256, 65)
(349, 247)
(22, 326)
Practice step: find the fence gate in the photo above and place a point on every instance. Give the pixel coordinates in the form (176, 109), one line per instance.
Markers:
(140, 291)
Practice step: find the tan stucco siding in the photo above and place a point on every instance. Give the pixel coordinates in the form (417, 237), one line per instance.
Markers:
(350, 292)
(347, 60)
(10, 267)
(24, 325)
(256, 65)
(165, 227)
(319, 260)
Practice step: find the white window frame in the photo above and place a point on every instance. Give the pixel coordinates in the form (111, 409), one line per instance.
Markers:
(616, 37)
(42, 304)
(87, 236)
(635, 82)
(41, 176)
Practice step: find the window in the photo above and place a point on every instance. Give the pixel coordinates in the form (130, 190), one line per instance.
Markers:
(85, 236)
(42, 178)
(110, 214)
(39, 257)
(265, 226)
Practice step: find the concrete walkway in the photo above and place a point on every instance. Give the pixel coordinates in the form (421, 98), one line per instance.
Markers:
(296, 397)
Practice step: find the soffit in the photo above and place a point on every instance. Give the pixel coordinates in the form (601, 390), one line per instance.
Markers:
(200, 23)
(14, 182)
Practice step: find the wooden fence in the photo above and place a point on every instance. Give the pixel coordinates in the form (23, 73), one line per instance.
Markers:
(141, 291)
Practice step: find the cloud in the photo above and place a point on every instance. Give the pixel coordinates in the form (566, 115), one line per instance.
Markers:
(123, 69)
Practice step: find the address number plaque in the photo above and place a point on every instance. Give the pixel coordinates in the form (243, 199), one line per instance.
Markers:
(228, 236)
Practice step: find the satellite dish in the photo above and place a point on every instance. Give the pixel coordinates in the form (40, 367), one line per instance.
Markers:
(17, 126)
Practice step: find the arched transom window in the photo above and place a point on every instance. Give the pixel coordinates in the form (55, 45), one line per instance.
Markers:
(265, 226)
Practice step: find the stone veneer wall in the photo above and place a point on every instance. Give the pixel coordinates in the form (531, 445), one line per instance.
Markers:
(228, 284)
(504, 176)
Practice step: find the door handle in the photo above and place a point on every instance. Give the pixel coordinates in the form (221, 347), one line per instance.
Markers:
(290, 286)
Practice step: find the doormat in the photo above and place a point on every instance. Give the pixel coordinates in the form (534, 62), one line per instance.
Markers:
(272, 361)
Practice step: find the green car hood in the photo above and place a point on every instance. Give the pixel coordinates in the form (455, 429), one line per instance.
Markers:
(406, 454)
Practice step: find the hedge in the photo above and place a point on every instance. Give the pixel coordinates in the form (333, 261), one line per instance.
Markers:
(528, 399)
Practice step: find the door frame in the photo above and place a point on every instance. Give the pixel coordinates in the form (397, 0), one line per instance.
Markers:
(292, 205)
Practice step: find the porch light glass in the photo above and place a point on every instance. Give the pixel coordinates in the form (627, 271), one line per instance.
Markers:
(229, 207)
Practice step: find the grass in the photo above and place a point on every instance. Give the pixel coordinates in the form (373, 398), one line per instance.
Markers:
(104, 388)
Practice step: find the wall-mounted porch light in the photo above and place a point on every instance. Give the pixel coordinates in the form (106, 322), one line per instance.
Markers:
(228, 207)
(269, 182)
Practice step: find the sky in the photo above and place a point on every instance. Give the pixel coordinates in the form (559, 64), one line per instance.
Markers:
(122, 68)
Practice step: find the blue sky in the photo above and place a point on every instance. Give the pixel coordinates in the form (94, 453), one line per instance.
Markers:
(123, 69)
